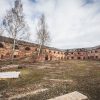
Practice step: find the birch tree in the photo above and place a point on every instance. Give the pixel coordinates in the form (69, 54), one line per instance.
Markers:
(43, 36)
(15, 25)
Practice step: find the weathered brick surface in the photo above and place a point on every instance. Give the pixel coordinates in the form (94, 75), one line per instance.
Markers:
(83, 54)
(24, 49)
(27, 49)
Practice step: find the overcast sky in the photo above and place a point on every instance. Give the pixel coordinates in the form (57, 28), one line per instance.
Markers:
(71, 23)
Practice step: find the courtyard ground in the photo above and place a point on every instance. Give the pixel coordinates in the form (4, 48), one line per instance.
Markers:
(57, 78)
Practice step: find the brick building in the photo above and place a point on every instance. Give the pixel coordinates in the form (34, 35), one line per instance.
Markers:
(83, 53)
(76, 54)
(25, 49)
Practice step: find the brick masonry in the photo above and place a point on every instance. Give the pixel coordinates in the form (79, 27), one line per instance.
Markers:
(84, 53)
(25, 49)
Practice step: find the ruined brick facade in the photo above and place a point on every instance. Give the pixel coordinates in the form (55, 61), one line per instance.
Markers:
(84, 53)
(25, 49)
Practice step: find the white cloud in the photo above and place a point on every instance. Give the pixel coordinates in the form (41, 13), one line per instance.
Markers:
(72, 23)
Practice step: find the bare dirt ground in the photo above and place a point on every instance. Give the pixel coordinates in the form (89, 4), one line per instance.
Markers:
(58, 77)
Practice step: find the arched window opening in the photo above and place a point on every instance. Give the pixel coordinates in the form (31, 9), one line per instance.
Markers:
(15, 56)
(1, 45)
(35, 49)
(96, 57)
(46, 57)
(78, 52)
(61, 58)
(78, 57)
(27, 48)
(72, 57)
(16, 47)
(2, 56)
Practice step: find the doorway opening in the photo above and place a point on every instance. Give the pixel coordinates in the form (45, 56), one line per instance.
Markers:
(46, 57)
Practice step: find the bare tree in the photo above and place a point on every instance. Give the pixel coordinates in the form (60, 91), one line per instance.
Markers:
(43, 36)
(15, 24)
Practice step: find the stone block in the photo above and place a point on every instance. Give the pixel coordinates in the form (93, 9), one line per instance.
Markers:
(71, 96)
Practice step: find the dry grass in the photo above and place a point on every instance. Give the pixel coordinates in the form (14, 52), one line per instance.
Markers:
(85, 76)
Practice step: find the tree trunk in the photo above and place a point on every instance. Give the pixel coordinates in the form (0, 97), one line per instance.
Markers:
(13, 50)
(40, 48)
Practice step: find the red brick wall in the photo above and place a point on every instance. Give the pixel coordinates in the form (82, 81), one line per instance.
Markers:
(27, 50)
(89, 54)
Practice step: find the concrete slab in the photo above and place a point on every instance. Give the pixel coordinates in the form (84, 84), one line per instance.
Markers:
(71, 96)
(27, 94)
(60, 80)
(13, 74)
